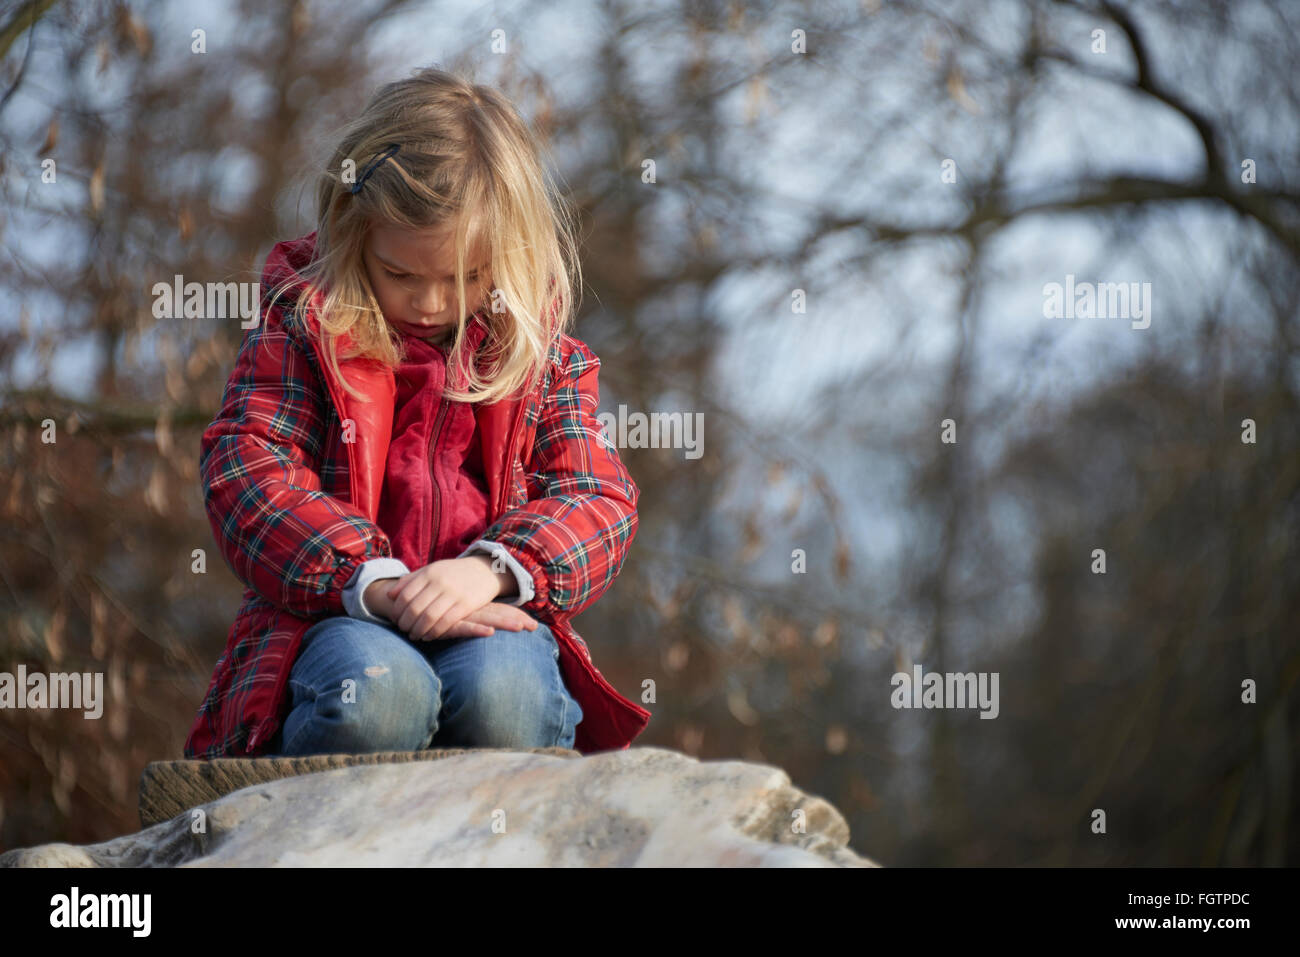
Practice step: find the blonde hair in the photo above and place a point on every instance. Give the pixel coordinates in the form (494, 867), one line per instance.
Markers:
(466, 159)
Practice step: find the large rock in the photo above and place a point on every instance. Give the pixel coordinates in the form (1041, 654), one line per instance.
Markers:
(640, 807)
(169, 787)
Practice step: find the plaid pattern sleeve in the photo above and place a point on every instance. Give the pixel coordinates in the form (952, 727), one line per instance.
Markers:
(286, 538)
(575, 529)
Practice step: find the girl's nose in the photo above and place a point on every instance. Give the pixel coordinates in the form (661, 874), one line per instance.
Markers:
(431, 300)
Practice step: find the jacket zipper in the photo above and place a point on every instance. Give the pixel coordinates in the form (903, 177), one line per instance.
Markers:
(508, 479)
(433, 479)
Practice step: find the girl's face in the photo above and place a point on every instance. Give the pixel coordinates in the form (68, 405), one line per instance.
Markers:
(412, 273)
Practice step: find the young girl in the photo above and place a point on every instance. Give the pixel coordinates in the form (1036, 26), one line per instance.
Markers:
(407, 471)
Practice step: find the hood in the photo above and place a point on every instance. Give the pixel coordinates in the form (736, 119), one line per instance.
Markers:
(287, 260)
(373, 417)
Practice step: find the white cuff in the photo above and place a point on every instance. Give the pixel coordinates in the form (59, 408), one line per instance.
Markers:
(522, 578)
(373, 570)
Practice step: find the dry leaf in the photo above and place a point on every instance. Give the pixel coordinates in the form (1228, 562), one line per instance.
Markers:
(692, 739)
(300, 20)
(957, 90)
(162, 432)
(825, 632)
(792, 506)
(51, 137)
(155, 495)
(139, 34)
(54, 634)
(842, 560)
(753, 543)
(98, 617)
(97, 188)
(837, 739)
(740, 708)
(930, 49)
(756, 98)
(734, 617)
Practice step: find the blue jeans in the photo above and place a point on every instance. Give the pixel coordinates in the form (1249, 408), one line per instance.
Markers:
(359, 686)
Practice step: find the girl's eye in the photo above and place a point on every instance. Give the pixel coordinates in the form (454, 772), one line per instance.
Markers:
(472, 277)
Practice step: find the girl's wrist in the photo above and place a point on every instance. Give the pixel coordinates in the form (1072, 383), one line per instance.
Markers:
(376, 597)
(504, 579)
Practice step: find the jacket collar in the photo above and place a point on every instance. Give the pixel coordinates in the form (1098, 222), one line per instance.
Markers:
(371, 416)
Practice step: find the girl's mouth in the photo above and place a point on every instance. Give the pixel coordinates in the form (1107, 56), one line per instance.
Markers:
(422, 331)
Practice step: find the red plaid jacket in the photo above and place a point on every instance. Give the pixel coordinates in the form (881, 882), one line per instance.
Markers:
(293, 506)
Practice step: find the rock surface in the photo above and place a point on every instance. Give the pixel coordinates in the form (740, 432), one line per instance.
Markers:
(169, 787)
(639, 807)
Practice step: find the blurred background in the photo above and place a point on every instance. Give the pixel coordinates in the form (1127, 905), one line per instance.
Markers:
(854, 211)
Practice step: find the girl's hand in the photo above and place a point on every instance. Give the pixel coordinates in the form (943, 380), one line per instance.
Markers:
(438, 599)
(492, 616)
(478, 624)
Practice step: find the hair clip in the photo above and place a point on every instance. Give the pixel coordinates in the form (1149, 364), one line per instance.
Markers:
(372, 166)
